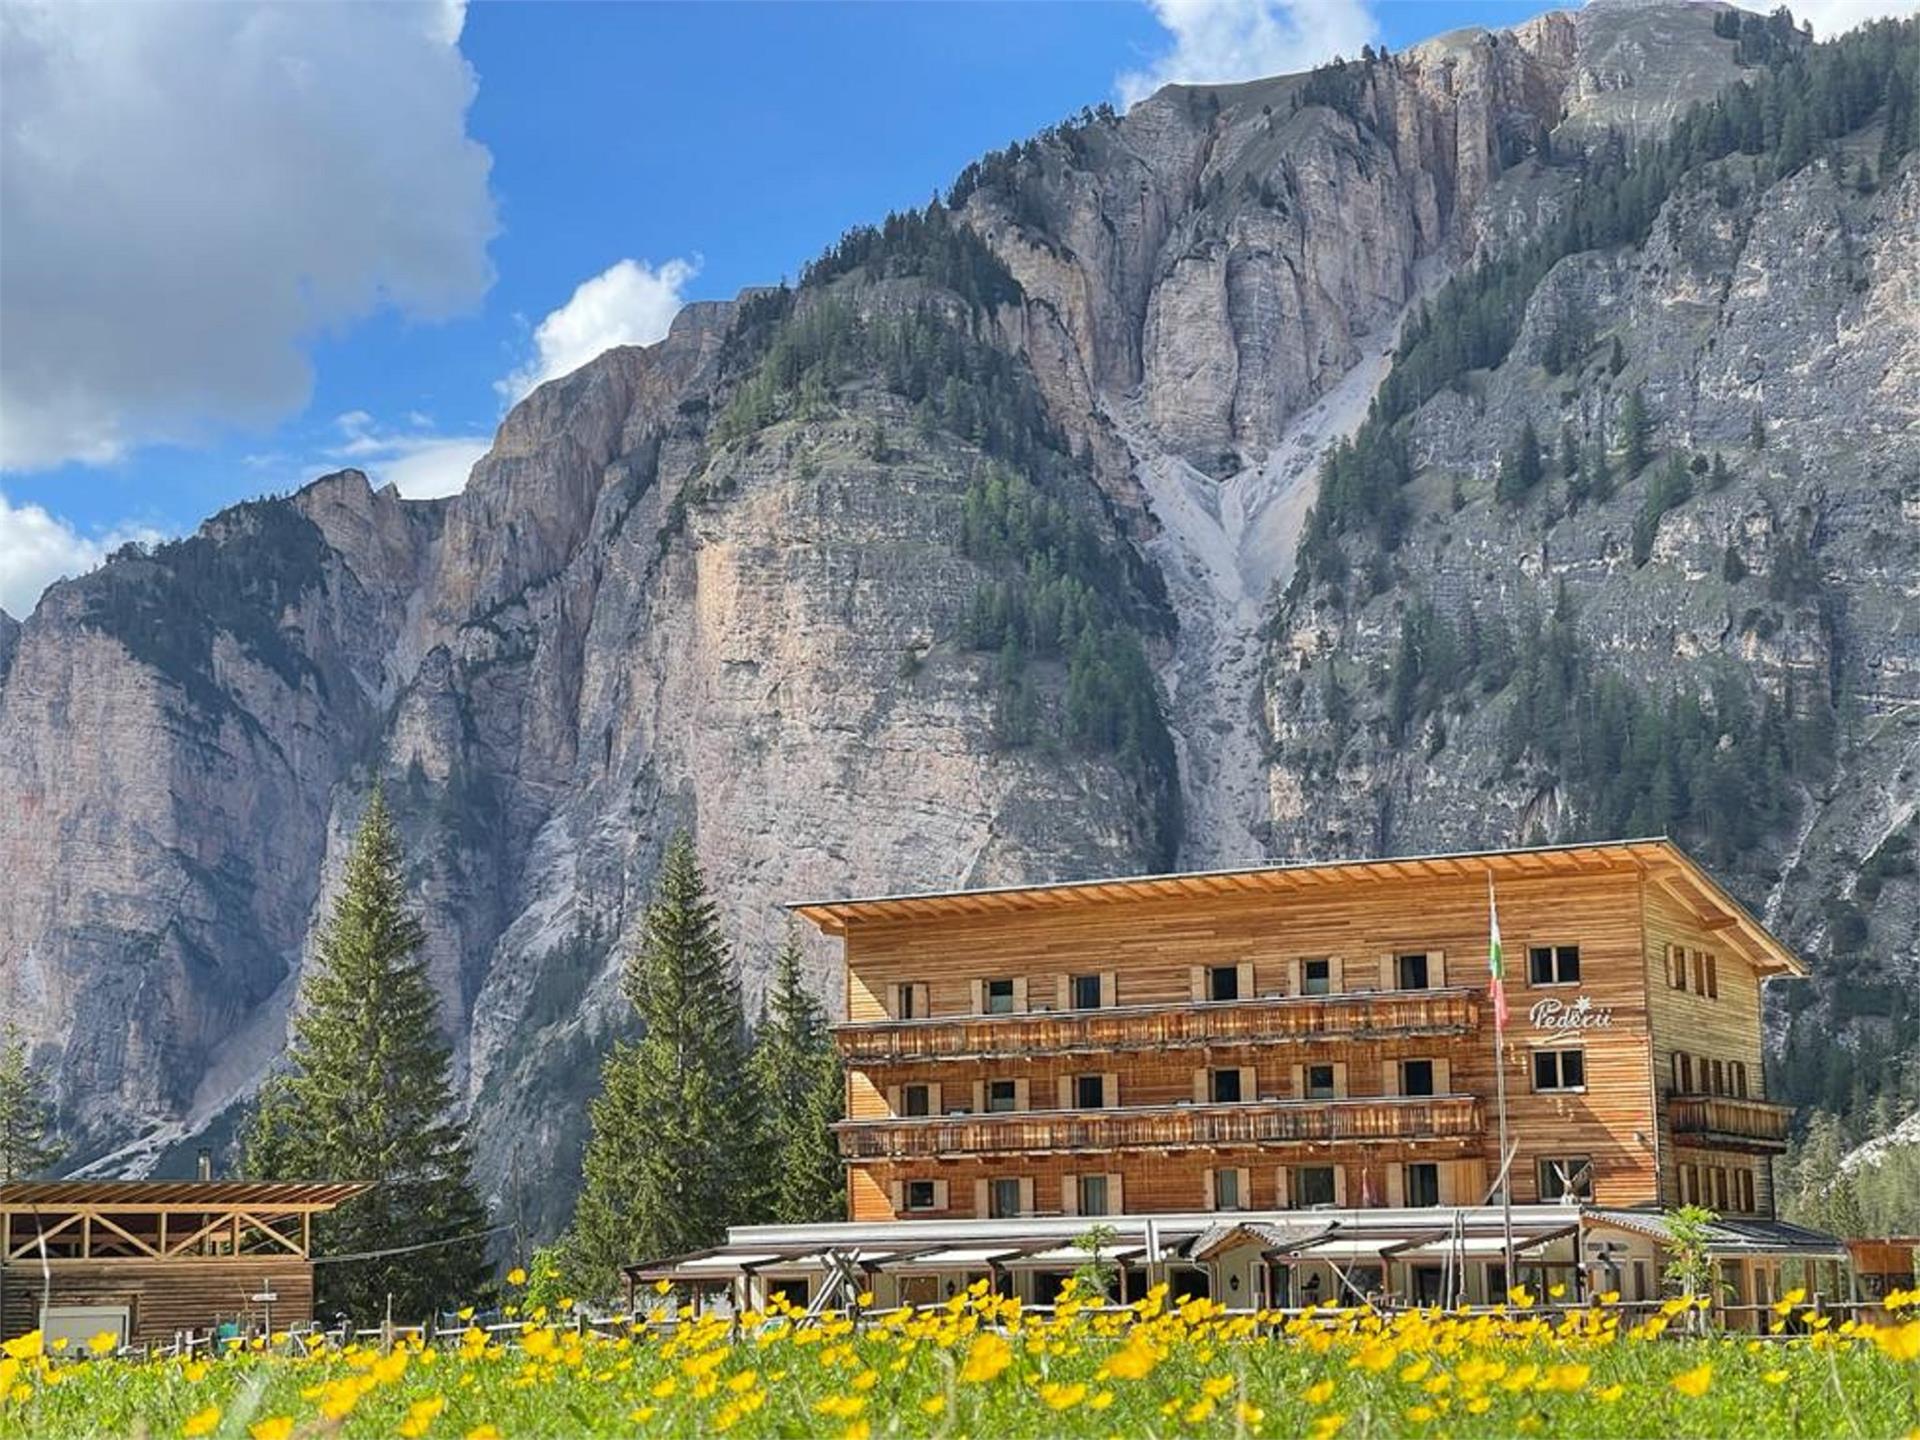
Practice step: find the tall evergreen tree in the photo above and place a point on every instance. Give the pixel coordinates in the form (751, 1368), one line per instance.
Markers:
(366, 1096)
(673, 1155)
(1636, 430)
(27, 1143)
(797, 1071)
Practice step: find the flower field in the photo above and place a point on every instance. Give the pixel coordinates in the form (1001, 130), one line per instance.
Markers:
(980, 1367)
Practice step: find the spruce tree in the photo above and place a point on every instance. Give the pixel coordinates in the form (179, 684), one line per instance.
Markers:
(797, 1072)
(673, 1155)
(365, 1096)
(1635, 431)
(27, 1144)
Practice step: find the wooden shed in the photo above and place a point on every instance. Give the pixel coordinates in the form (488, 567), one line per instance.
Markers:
(149, 1259)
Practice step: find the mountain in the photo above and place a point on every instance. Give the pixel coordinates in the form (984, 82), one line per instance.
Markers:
(1004, 546)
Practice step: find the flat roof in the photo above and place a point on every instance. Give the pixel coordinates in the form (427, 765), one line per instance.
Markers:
(1656, 856)
(265, 1195)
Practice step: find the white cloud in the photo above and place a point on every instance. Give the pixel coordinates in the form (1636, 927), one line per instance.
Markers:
(1222, 41)
(38, 548)
(1831, 17)
(190, 192)
(628, 303)
(423, 465)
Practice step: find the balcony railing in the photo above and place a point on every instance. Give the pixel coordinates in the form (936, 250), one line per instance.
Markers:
(1161, 1127)
(1729, 1124)
(1296, 1019)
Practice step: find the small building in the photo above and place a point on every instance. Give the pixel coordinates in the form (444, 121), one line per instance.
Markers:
(150, 1259)
(1882, 1266)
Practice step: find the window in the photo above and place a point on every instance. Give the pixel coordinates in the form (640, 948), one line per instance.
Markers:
(1713, 976)
(922, 1195)
(907, 1004)
(1719, 1078)
(999, 997)
(1223, 1087)
(1316, 977)
(1739, 1068)
(1559, 1070)
(1003, 1199)
(915, 1100)
(1423, 1184)
(1003, 1095)
(1092, 1195)
(1745, 1178)
(1319, 1080)
(1223, 982)
(1553, 964)
(1416, 1077)
(1699, 971)
(1683, 1072)
(1086, 992)
(1090, 1092)
(1226, 1189)
(1677, 967)
(1412, 970)
(1562, 1177)
(1313, 1185)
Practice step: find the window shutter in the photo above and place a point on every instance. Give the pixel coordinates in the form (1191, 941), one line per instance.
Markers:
(1340, 1079)
(1442, 1078)
(1197, 977)
(1026, 1195)
(1340, 1185)
(1109, 988)
(1437, 968)
(977, 991)
(1064, 1088)
(1249, 1083)
(1390, 1077)
(1063, 992)
(1713, 975)
(920, 999)
(1069, 1194)
(1388, 980)
(1206, 1179)
(1201, 1095)
(1299, 1082)
(1021, 1095)
(1296, 978)
(1245, 969)
(898, 1192)
(980, 1206)
(1244, 1185)
(1336, 981)
(1676, 967)
(933, 1098)
(1282, 1188)
(939, 1194)
(893, 1099)
(979, 1097)
(1020, 994)
(1110, 1088)
(1396, 1187)
(1115, 1203)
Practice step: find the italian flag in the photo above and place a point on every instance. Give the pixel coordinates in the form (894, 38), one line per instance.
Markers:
(1496, 966)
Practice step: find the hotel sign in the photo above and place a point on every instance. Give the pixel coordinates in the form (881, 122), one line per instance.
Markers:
(1579, 1014)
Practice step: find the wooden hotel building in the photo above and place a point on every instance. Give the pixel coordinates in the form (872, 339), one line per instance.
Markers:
(1252, 1058)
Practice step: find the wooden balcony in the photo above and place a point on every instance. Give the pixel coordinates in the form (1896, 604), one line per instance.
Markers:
(1294, 1020)
(1162, 1127)
(1755, 1126)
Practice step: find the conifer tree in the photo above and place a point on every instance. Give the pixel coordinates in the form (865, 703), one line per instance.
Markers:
(27, 1144)
(366, 1096)
(1635, 431)
(673, 1155)
(797, 1072)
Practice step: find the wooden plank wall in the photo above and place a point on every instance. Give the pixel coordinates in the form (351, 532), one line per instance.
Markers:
(163, 1296)
(1152, 947)
(1725, 1027)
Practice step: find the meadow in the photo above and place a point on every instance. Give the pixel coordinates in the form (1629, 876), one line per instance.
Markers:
(981, 1367)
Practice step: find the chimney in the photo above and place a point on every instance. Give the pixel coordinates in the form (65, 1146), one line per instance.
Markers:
(205, 1163)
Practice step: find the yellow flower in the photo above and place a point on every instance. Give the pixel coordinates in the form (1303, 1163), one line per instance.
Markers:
(1568, 1377)
(859, 1430)
(1063, 1397)
(866, 1380)
(516, 1276)
(1327, 1426)
(1199, 1412)
(933, 1405)
(487, 1431)
(987, 1357)
(1249, 1415)
(1775, 1377)
(1612, 1393)
(1520, 1295)
(274, 1427)
(1218, 1387)
(29, 1346)
(1420, 1414)
(1319, 1392)
(1694, 1383)
(201, 1422)
(1900, 1342)
(1134, 1360)
(420, 1415)
(841, 1407)
(105, 1343)
(465, 1312)
(1101, 1401)
(661, 1287)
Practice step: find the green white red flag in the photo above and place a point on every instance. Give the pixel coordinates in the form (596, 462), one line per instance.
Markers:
(1496, 965)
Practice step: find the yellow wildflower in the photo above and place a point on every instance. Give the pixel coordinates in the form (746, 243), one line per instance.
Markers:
(274, 1427)
(987, 1357)
(201, 1422)
(1695, 1382)
(933, 1405)
(516, 1276)
(1319, 1392)
(1062, 1397)
(1899, 1342)
(488, 1431)
(1775, 1377)
(1199, 1412)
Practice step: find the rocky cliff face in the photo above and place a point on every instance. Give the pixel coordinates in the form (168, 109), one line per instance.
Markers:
(850, 581)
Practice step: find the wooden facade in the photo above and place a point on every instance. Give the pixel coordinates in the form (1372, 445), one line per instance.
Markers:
(1309, 1035)
(155, 1259)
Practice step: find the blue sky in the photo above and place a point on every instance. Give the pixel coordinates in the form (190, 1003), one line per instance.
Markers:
(260, 279)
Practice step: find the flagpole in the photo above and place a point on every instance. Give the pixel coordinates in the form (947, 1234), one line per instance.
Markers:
(1496, 967)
